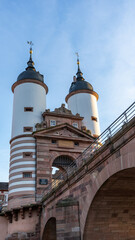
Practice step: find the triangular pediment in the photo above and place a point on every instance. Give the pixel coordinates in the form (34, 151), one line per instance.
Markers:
(63, 131)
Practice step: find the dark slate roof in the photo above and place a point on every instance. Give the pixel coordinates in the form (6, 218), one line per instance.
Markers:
(30, 72)
(80, 83)
(4, 186)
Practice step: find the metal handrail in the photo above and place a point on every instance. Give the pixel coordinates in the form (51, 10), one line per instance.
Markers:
(92, 149)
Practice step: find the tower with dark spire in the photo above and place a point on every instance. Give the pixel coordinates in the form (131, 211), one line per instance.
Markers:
(79, 73)
(30, 71)
(29, 103)
(30, 62)
(82, 99)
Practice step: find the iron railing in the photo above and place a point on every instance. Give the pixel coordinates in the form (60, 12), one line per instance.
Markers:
(97, 144)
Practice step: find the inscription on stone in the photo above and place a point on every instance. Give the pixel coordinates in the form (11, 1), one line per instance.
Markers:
(65, 144)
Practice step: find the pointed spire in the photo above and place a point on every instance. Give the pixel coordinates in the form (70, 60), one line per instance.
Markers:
(30, 63)
(79, 73)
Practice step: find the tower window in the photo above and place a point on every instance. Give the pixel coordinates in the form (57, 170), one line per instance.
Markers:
(76, 143)
(75, 124)
(28, 109)
(52, 123)
(27, 154)
(27, 174)
(28, 129)
(95, 135)
(94, 118)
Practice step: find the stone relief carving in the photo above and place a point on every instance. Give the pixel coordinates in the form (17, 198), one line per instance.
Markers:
(65, 132)
(40, 126)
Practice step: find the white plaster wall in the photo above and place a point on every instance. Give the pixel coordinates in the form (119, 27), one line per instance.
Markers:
(22, 165)
(24, 169)
(22, 150)
(27, 95)
(21, 139)
(19, 176)
(19, 157)
(22, 144)
(26, 189)
(86, 105)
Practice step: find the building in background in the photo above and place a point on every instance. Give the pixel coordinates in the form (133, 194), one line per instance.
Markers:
(3, 194)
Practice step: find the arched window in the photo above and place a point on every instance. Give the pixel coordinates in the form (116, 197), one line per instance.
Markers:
(63, 162)
(62, 167)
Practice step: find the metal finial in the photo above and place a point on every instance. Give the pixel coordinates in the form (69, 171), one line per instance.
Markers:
(79, 73)
(77, 54)
(77, 58)
(30, 62)
(31, 44)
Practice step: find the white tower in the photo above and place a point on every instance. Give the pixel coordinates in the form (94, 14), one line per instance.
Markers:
(28, 105)
(82, 99)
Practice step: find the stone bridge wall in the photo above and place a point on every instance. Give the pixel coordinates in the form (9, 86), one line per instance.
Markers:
(78, 192)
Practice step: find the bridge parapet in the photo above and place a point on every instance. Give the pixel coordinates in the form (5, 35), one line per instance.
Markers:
(94, 163)
(82, 185)
(106, 142)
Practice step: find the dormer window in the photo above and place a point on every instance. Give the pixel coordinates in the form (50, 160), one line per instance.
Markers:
(52, 123)
(75, 124)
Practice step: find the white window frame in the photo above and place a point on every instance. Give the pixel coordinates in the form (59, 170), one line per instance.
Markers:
(27, 174)
(52, 123)
(75, 124)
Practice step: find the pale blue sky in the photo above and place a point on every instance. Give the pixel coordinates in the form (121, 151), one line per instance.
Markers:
(102, 31)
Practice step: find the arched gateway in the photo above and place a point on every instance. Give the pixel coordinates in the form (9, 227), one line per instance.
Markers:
(50, 230)
(63, 161)
(112, 212)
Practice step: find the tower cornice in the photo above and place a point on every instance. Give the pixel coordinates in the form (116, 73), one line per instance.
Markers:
(29, 81)
(82, 91)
